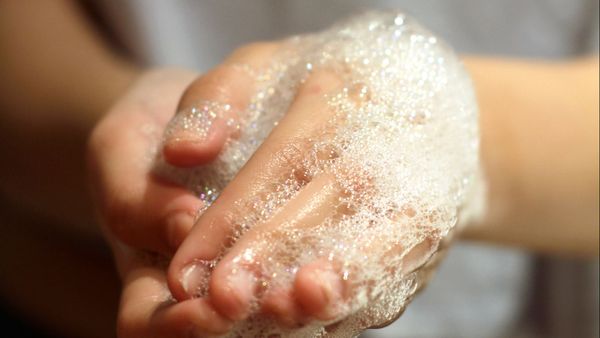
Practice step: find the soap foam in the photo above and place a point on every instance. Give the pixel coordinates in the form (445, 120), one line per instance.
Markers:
(403, 147)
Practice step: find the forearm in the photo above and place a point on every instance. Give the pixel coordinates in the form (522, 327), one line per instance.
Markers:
(54, 60)
(58, 77)
(539, 126)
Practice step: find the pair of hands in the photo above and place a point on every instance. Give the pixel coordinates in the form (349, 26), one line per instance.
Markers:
(143, 213)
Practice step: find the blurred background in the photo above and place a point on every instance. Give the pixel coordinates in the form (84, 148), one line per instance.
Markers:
(56, 275)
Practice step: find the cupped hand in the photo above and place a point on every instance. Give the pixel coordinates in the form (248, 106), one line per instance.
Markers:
(144, 216)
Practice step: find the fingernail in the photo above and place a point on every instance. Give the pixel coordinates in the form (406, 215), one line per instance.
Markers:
(331, 289)
(195, 278)
(178, 226)
(417, 256)
(242, 284)
(194, 123)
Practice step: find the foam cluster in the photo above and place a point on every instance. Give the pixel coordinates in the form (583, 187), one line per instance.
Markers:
(401, 144)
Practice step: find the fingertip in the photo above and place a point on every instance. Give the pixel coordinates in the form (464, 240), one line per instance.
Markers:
(282, 305)
(232, 290)
(318, 290)
(419, 254)
(191, 318)
(175, 275)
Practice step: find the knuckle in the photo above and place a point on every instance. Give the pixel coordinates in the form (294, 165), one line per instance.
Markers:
(214, 78)
(257, 47)
(217, 85)
(225, 223)
(221, 76)
(291, 153)
(227, 81)
(319, 82)
(292, 156)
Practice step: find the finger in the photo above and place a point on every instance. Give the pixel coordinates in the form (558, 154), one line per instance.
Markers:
(276, 159)
(235, 282)
(281, 304)
(147, 310)
(211, 105)
(140, 209)
(323, 287)
(320, 289)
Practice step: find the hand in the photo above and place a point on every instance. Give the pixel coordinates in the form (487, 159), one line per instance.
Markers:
(144, 216)
(232, 289)
(142, 213)
(228, 266)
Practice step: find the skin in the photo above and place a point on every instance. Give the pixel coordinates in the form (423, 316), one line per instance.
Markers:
(147, 308)
(543, 180)
(538, 200)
